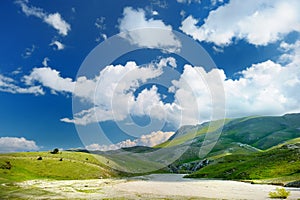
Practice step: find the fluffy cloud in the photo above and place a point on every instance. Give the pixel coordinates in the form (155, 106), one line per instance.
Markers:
(112, 92)
(193, 92)
(57, 45)
(9, 85)
(264, 88)
(149, 103)
(58, 23)
(13, 144)
(150, 140)
(49, 78)
(55, 20)
(133, 27)
(267, 88)
(291, 52)
(258, 22)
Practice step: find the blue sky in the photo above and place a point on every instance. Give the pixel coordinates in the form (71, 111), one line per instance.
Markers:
(50, 99)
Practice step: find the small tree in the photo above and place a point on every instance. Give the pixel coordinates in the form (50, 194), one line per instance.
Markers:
(280, 193)
(55, 151)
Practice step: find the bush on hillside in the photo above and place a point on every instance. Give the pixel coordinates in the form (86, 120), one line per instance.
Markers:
(280, 193)
(55, 151)
(6, 165)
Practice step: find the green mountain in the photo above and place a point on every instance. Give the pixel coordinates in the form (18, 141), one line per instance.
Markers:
(239, 136)
(189, 149)
(260, 148)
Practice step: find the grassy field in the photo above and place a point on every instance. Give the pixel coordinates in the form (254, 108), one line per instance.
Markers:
(17, 167)
(64, 165)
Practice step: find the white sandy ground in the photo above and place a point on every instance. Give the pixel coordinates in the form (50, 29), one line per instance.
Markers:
(153, 186)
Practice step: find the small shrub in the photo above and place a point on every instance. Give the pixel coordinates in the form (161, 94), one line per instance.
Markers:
(55, 151)
(280, 193)
(6, 165)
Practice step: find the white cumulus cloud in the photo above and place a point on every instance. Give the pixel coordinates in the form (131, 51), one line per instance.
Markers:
(53, 19)
(266, 88)
(149, 140)
(259, 22)
(50, 78)
(13, 144)
(133, 27)
(112, 92)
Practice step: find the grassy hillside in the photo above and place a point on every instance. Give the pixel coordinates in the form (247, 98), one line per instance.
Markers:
(187, 133)
(64, 165)
(15, 167)
(239, 136)
(263, 132)
(280, 164)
